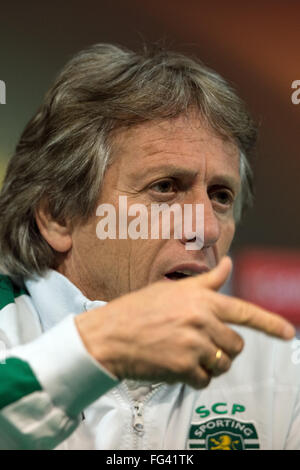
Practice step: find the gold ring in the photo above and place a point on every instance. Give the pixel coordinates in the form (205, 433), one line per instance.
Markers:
(218, 356)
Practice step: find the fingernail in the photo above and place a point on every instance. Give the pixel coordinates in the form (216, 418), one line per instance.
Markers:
(289, 332)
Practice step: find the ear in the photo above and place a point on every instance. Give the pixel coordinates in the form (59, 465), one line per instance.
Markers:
(56, 234)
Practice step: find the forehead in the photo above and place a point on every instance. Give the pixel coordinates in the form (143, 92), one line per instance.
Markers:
(184, 143)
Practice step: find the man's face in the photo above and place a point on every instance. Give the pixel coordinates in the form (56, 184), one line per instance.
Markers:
(179, 161)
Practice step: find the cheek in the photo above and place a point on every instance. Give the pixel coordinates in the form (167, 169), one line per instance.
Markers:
(144, 252)
(227, 236)
(144, 256)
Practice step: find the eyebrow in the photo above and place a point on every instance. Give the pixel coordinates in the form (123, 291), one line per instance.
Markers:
(226, 180)
(172, 170)
(180, 172)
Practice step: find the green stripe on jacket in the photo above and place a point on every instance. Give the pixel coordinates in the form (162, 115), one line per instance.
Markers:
(9, 291)
(16, 381)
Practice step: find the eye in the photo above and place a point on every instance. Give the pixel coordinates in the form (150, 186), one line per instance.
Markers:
(164, 186)
(223, 197)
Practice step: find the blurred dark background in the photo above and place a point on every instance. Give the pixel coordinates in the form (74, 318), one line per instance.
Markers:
(254, 45)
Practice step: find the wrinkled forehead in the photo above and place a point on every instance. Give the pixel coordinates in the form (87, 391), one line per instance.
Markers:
(190, 125)
(184, 142)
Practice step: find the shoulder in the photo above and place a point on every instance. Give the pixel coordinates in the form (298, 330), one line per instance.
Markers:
(9, 291)
(19, 319)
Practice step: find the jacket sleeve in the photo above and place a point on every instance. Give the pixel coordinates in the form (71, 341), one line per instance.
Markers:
(45, 385)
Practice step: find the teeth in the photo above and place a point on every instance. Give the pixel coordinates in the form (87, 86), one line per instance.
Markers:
(187, 272)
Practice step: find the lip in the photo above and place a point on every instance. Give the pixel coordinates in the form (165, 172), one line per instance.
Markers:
(196, 268)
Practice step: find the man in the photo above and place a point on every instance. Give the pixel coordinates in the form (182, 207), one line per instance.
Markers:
(130, 330)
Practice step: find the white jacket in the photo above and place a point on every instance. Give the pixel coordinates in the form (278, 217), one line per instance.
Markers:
(49, 378)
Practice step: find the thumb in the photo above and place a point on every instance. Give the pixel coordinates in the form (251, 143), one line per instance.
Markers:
(215, 278)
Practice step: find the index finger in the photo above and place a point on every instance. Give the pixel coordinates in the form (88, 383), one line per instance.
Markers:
(241, 312)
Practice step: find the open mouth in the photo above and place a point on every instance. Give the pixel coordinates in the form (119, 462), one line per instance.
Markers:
(177, 275)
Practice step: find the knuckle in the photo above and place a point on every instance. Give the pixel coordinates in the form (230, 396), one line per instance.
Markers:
(226, 364)
(192, 316)
(199, 380)
(184, 365)
(202, 317)
(238, 345)
(246, 312)
(205, 380)
(190, 340)
(222, 367)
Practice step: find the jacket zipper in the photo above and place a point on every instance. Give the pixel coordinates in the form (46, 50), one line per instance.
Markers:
(138, 408)
(138, 418)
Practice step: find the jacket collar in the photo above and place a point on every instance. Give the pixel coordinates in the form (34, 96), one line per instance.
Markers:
(54, 297)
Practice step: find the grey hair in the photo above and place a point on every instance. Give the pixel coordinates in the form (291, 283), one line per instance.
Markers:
(64, 150)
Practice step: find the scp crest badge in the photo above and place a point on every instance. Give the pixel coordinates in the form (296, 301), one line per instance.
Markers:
(223, 434)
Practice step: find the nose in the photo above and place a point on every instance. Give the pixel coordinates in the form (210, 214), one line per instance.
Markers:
(212, 230)
(205, 227)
